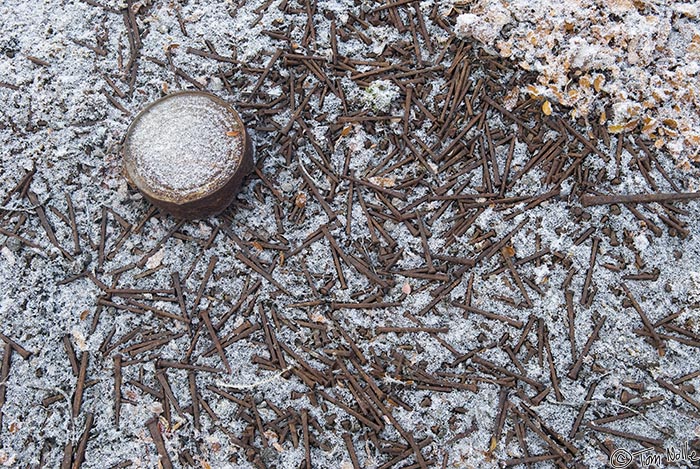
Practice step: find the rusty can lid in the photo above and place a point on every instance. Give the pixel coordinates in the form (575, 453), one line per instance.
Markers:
(186, 151)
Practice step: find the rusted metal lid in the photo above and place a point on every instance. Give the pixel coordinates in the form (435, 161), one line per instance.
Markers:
(188, 153)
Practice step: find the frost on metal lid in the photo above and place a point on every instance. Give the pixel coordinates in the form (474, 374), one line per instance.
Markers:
(184, 146)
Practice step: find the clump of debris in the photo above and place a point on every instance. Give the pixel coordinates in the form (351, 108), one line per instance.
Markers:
(631, 65)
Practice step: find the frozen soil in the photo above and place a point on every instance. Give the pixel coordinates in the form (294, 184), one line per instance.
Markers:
(372, 288)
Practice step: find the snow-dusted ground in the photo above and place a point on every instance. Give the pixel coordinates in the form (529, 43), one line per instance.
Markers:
(55, 116)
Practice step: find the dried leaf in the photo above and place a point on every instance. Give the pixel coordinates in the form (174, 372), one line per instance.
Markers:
(598, 82)
(257, 246)
(317, 317)
(631, 124)
(547, 108)
(585, 81)
(300, 200)
(80, 340)
(493, 444)
(233, 133)
(616, 128)
(156, 259)
(511, 99)
(532, 89)
(671, 123)
(175, 426)
(383, 181)
(649, 125)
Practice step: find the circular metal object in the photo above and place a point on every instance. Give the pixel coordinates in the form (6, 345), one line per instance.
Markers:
(188, 154)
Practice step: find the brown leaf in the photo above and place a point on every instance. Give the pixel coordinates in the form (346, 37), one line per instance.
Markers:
(318, 317)
(383, 181)
(598, 82)
(300, 200)
(547, 108)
